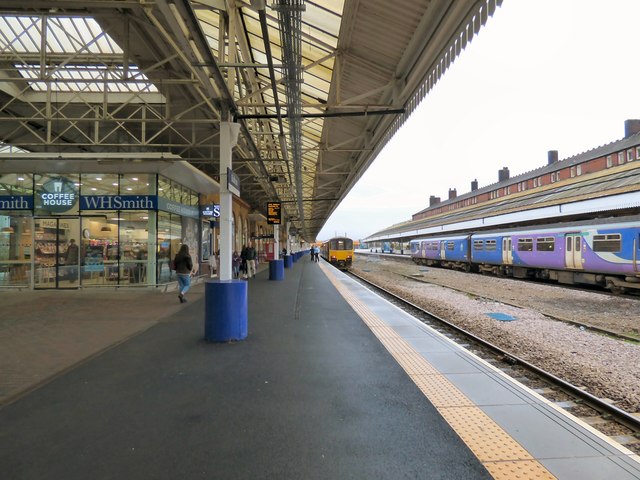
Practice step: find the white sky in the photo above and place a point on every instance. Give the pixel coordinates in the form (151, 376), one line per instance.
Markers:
(541, 75)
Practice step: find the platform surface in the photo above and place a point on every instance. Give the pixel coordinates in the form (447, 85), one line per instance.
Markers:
(311, 393)
(332, 382)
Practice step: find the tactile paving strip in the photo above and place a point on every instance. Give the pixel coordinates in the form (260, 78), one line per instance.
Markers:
(502, 456)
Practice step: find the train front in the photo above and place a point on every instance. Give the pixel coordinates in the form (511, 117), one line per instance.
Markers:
(340, 252)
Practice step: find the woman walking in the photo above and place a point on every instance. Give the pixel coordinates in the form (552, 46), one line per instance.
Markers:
(184, 268)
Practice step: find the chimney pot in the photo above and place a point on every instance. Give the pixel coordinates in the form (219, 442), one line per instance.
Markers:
(433, 200)
(552, 157)
(452, 193)
(474, 185)
(503, 174)
(631, 127)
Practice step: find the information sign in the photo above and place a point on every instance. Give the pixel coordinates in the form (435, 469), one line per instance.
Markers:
(273, 213)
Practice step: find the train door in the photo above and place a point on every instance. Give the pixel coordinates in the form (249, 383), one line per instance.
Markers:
(507, 254)
(443, 249)
(573, 250)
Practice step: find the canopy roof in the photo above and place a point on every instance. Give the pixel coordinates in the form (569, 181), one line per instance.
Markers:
(318, 87)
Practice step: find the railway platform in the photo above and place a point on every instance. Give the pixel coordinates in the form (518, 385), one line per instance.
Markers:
(332, 382)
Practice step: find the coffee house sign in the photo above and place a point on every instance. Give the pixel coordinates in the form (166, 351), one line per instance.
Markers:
(58, 195)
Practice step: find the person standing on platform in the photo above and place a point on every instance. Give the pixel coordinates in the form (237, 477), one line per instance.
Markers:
(184, 268)
(236, 261)
(243, 261)
(71, 260)
(251, 261)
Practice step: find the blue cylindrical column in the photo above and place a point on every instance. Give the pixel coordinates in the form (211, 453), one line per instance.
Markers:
(276, 270)
(288, 261)
(225, 310)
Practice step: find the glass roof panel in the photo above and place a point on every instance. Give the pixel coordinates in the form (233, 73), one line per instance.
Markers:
(89, 78)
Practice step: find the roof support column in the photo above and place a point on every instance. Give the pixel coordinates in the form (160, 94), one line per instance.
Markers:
(228, 139)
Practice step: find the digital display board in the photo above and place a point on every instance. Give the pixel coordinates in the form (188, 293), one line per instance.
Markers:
(273, 213)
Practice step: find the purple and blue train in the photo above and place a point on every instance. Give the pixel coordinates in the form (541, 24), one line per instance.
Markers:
(600, 252)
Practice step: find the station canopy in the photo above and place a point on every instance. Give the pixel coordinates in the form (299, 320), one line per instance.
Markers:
(318, 87)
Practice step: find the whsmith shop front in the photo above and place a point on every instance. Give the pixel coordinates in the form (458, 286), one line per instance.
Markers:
(77, 222)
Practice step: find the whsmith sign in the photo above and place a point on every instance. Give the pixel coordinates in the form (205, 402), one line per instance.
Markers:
(119, 202)
(16, 202)
(63, 201)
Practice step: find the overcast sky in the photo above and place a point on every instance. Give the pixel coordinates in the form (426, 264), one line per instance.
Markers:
(541, 75)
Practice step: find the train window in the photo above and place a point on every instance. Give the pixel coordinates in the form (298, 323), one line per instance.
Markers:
(525, 244)
(450, 245)
(611, 242)
(490, 245)
(545, 244)
(478, 245)
(609, 161)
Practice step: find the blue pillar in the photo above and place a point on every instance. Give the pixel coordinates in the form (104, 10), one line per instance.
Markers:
(225, 310)
(288, 261)
(276, 270)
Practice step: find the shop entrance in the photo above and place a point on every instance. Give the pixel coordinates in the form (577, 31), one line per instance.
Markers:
(56, 252)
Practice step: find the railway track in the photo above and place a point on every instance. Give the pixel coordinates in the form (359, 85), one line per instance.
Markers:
(620, 425)
(581, 288)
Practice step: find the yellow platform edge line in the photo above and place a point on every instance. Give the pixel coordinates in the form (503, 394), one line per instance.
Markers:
(502, 456)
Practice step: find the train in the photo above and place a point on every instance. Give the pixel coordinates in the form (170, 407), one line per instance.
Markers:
(338, 251)
(604, 253)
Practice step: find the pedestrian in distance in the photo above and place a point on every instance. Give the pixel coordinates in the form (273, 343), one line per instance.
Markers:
(251, 261)
(71, 260)
(184, 269)
(236, 261)
(243, 261)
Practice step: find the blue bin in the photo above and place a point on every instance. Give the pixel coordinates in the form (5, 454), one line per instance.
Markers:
(288, 261)
(225, 310)
(276, 270)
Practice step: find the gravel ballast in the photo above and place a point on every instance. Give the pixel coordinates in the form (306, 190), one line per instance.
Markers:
(606, 367)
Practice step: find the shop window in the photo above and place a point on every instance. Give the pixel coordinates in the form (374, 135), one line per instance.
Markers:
(169, 239)
(99, 184)
(15, 249)
(137, 184)
(16, 184)
(164, 187)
